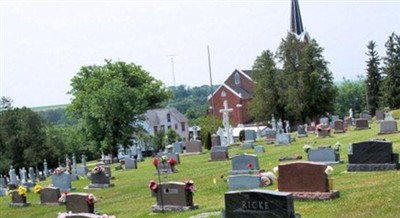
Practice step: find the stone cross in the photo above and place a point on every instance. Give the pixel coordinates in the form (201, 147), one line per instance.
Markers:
(22, 175)
(273, 122)
(225, 121)
(194, 133)
(351, 112)
(13, 176)
(45, 168)
(83, 160)
(32, 174)
(73, 162)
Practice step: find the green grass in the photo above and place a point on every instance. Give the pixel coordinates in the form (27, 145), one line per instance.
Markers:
(362, 194)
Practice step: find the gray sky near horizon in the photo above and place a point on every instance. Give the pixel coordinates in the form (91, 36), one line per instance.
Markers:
(44, 43)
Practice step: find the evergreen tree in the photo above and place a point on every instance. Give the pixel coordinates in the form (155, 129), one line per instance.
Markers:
(307, 84)
(266, 94)
(391, 71)
(373, 81)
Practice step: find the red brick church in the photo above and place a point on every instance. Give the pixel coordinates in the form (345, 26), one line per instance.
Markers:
(238, 88)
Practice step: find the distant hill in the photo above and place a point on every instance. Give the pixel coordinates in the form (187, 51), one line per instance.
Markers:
(49, 107)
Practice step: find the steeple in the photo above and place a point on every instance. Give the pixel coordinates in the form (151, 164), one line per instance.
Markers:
(296, 24)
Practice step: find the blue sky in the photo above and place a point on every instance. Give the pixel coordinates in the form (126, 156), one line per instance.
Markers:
(44, 43)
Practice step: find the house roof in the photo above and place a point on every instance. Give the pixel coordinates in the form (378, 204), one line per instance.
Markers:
(155, 116)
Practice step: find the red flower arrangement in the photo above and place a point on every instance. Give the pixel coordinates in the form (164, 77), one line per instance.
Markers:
(189, 186)
(153, 186)
(250, 166)
(91, 199)
(155, 162)
(172, 161)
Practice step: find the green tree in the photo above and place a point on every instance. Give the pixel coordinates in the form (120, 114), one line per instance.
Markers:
(391, 72)
(108, 99)
(5, 103)
(351, 94)
(266, 93)
(373, 81)
(208, 124)
(21, 138)
(306, 89)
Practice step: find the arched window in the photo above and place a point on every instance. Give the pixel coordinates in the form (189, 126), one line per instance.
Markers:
(237, 78)
(223, 94)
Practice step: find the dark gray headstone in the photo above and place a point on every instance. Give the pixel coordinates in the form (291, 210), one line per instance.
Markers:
(50, 196)
(301, 131)
(215, 140)
(219, 153)
(76, 203)
(259, 149)
(250, 135)
(362, 124)
(100, 180)
(282, 139)
(339, 126)
(372, 156)
(259, 204)
(241, 182)
(193, 146)
(380, 115)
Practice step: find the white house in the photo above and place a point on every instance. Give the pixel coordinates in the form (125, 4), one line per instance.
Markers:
(166, 118)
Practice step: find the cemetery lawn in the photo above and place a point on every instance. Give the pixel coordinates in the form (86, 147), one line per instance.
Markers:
(362, 194)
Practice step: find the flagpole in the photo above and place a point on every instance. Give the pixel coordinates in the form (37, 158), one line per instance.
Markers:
(211, 89)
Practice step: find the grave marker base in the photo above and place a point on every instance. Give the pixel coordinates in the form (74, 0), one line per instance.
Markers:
(20, 204)
(99, 186)
(371, 167)
(385, 133)
(157, 208)
(316, 195)
(362, 128)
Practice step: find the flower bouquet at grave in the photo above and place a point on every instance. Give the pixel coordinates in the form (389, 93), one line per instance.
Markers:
(306, 148)
(190, 189)
(22, 191)
(329, 171)
(97, 170)
(37, 188)
(63, 197)
(267, 178)
(58, 171)
(153, 186)
(91, 199)
(172, 162)
(337, 147)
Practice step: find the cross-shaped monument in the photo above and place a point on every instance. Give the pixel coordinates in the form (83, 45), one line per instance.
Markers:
(225, 122)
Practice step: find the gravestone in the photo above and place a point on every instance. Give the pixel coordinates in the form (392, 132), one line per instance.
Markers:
(77, 203)
(301, 131)
(387, 127)
(13, 176)
(373, 155)
(225, 122)
(215, 140)
(62, 181)
(259, 149)
(323, 131)
(193, 147)
(250, 135)
(365, 115)
(240, 164)
(334, 118)
(32, 177)
(243, 181)
(325, 155)
(324, 121)
(100, 180)
(259, 204)
(178, 148)
(219, 153)
(306, 180)
(339, 126)
(362, 124)
(165, 167)
(23, 176)
(175, 156)
(3, 186)
(348, 121)
(50, 196)
(18, 200)
(130, 163)
(311, 129)
(173, 196)
(270, 135)
(282, 138)
(380, 115)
